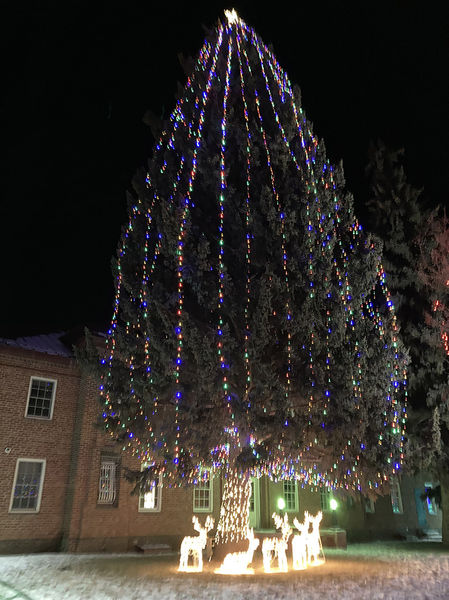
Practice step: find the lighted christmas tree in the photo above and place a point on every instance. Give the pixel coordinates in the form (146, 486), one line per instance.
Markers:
(252, 332)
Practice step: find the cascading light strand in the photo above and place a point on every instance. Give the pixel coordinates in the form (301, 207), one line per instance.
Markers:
(224, 366)
(247, 225)
(180, 249)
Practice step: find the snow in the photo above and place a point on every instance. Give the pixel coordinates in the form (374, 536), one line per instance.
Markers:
(376, 571)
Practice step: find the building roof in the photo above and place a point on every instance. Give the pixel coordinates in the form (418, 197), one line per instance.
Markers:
(49, 343)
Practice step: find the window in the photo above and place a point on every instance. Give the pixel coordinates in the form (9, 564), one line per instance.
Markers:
(396, 498)
(41, 396)
(151, 501)
(27, 489)
(252, 503)
(325, 498)
(290, 495)
(430, 500)
(107, 485)
(368, 504)
(202, 496)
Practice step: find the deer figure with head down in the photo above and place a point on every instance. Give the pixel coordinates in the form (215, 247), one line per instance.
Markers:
(194, 545)
(237, 562)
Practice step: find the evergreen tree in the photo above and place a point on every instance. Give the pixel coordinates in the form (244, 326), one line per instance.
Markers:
(252, 329)
(415, 260)
(433, 437)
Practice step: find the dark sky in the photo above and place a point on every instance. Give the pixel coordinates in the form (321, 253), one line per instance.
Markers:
(80, 76)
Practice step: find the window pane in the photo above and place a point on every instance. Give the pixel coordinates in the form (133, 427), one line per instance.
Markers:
(150, 500)
(201, 496)
(26, 490)
(290, 495)
(41, 396)
(107, 484)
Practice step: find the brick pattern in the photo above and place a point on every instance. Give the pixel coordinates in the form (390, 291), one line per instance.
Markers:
(70, 517)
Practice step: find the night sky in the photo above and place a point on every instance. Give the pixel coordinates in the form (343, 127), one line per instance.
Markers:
(80, 77)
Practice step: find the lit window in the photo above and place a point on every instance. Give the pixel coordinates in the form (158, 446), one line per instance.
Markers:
(430, 502)
(396, 498)
(151, 501)
(27, 489)
(41, 396)
(107, 485)
(202, 496)
(290, 495)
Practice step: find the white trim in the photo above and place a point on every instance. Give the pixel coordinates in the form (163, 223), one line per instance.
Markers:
(108, 477)
(325, 498)
(395, 490)
(254, 516)
(158, 506)
(295, 489)
(55, 383)
(431, 505)
(43, 461)
(198, 487)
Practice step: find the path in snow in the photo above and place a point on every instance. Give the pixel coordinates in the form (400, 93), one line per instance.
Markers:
(365, 571)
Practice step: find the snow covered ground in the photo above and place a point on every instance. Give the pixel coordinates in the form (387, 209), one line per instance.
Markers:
(374, 571)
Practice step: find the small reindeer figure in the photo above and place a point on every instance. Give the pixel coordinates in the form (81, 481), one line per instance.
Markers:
(314, 546)
(300, 543)
(194, 545)
(277, 546)
(237, 562)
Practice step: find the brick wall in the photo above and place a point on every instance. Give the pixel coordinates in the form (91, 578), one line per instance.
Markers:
(35, 438)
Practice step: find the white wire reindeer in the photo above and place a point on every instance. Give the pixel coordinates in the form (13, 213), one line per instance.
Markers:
(277, 546)
(237, 562)
(300, 543)
(194, 545)
(314, 546)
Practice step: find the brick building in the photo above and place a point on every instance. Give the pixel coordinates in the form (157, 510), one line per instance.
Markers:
(60, 476)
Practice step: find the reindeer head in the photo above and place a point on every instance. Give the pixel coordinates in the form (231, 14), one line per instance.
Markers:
(302, 527)
(208, 525)
(316, 520)
(196, 524)
(283, 525)
(253, 542)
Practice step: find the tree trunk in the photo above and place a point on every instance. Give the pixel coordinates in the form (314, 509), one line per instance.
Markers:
(444, 483)
(233, 524)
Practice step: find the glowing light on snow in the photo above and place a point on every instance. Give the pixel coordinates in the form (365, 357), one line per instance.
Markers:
(194, 546)
(236, 563)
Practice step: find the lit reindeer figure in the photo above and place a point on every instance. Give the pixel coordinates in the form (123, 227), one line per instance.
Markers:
(237, 562)
(277, 546)
(314, 546)
(300, 543)
(194, 546)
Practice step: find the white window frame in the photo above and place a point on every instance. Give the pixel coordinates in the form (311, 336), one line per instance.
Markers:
(369, 505)
(396, 497)
(157, 488)
(254, 501)
(201, 486)
(54, 382)
(325, 498)
(35, 510)
(107, 493)
(431, 505)
(289, 493)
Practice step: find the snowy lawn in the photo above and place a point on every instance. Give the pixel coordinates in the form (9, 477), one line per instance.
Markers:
(365, 571)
